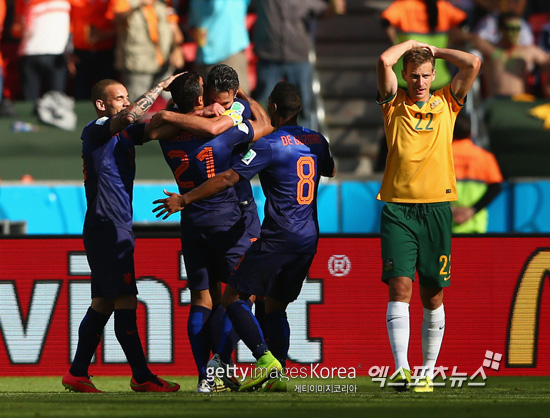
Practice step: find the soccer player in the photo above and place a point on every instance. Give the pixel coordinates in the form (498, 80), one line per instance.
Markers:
(222, 87)
(222, 93)
(418, 184)
(213, 231)
(290, 163)
(109, 171)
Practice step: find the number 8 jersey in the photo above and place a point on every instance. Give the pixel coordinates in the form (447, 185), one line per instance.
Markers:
(419, 166)
(290, 163)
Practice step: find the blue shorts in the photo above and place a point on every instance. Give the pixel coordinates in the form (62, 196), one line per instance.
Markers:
(251, 220)
(110, 253)
(210, 254)
(276, 275)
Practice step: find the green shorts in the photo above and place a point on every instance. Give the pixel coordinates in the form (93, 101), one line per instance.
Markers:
(417, 237)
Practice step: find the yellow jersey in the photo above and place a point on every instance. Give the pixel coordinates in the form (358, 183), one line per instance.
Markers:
(419, 166)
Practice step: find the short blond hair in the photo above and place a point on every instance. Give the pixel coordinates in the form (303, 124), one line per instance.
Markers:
(418, 56)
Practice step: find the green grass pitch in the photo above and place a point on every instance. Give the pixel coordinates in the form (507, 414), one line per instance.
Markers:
(501, 397)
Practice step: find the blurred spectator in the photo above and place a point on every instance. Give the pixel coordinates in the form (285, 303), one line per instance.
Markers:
(544, 35)
(2, 18)
(94, 43)
(283, 41)
(218, 27)
(488, 26)
(478, 180)
(508, 66)
(475, 9)
(148, 43)
(44, 28)
(429, 21)
(5, 108)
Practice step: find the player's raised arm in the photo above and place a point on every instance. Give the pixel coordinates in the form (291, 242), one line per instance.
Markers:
(387, 79)
(137, 109)
(260, 119)
(468, 65)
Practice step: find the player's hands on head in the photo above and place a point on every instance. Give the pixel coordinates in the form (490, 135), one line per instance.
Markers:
(418, 44)
(169, 205)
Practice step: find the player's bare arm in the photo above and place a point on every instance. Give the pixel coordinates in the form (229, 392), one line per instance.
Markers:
(468, 65)
(260, 119)
(140, 107)
(195, 124)
(176, 202)
(387, 80)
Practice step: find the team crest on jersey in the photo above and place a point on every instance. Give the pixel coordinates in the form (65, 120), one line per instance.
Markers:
(101, 121)
(250, 155)
(435, 103)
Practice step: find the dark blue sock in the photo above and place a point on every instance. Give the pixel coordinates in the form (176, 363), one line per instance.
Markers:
(127, 335)
(216, 325)
(247, 327)
(89, 336)
(259, 312)
(230, 338)
(277, 333)
(198, 337)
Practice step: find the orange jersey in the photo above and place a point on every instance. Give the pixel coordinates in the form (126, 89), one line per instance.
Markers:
(91, 28)
(2, 17)
(121, 6)
(475, 163)
(410, 16)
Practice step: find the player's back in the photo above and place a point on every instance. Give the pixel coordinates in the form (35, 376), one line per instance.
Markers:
(294, 158)
(193, 160)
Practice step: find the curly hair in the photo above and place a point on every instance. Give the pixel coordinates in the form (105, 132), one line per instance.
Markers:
(288, 99)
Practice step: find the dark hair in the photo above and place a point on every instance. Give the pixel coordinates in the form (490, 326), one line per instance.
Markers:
(463, 126)
(504, 17)
(288, 99)
(223, 78)
(418, 56)
(185, 90)
(433, 14)
(99, 88)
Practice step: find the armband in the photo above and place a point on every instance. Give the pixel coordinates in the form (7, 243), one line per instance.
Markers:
(235, 115)
(239, 107)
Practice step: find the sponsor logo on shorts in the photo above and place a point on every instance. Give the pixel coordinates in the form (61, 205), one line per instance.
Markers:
(388, 264)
